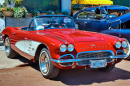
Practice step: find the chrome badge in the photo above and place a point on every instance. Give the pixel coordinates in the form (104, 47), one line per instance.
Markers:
(93, 45)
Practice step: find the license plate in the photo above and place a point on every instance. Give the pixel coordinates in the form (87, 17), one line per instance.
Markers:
(98, 63)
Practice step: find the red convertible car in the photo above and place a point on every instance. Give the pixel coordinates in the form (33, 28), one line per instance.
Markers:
(55, 43)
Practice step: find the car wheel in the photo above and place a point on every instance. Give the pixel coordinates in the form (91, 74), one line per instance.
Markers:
(10, 53)
(107, 68)
(127, 50)
(46, 67)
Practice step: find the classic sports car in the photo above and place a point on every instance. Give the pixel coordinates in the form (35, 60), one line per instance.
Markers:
(55, 43)
(113, 20)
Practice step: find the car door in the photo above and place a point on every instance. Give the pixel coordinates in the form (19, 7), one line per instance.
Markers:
(96, 25)
(31, 39)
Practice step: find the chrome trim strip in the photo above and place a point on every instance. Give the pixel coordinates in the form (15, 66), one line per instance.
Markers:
(96, 52)
(62, 40)
(83, 59)
(67, 55)
(120, 51)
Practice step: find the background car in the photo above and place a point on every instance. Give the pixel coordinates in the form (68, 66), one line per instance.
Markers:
(112, 20)
(55, 43)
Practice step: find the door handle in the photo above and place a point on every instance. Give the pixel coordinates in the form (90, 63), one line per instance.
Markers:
(14, 33)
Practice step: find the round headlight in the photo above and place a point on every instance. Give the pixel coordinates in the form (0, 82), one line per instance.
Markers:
(118, 44)
(124, 44)
(70, 47)
(63, 48)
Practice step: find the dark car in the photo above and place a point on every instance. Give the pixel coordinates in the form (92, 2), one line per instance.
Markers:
(113, 20)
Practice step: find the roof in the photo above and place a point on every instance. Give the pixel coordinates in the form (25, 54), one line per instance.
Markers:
(108, 7)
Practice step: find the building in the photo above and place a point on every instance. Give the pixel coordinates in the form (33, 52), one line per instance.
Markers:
(58, 5)
(45, 5)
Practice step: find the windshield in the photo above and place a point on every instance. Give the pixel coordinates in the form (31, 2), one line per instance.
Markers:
(54, 22)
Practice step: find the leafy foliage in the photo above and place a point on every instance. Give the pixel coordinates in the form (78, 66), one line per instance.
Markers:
(8, 2)
(77, 7)
(50, 12)
(121, 2)
(18, 13)
(65, 13)
(34, 13)
(17, 1)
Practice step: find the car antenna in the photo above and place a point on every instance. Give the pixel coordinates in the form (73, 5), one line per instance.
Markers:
(120, 29)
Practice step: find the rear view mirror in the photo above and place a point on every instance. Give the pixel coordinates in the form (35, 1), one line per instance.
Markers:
(40, 28)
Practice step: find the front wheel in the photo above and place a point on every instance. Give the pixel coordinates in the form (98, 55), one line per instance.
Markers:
(108, 68)
(46, 67)
(10, 53)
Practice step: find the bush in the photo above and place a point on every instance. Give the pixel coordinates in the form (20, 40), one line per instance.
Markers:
(65, 13)
(77, 7)
(18, 12)
(50, 12)
(34, 13)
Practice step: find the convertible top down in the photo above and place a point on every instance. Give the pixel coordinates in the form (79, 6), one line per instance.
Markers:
(55, 43)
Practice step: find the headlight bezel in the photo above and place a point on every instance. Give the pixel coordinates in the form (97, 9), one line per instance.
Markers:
(63, 45)
(72, 47)
(123, 45)
(118, 44)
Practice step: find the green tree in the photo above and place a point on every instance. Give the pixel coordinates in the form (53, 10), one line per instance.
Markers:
(121, 2)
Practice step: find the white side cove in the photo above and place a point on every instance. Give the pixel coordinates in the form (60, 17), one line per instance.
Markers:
(28, 46)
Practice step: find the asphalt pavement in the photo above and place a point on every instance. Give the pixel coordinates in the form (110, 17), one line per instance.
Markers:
(21, 72)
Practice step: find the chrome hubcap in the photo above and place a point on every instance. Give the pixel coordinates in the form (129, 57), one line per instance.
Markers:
(7, 46)
(44, 63)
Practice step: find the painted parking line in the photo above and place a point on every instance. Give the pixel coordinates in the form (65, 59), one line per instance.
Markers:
(2, 47)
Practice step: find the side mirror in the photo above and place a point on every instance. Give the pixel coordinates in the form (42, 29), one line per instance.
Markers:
(112, 16)
(76, 26)
(39, 28)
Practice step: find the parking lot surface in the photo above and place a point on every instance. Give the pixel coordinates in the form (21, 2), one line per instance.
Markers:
(21, 72)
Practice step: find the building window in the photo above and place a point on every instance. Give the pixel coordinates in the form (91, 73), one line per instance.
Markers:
(42, 5)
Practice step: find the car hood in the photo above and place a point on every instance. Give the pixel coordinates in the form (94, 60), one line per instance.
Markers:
(72, 35)
(121, 19)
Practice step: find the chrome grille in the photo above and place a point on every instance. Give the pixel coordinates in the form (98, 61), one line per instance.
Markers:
(97, 54)
(92, 55)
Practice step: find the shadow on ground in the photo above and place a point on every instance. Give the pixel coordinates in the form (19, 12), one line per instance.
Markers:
(85, 77)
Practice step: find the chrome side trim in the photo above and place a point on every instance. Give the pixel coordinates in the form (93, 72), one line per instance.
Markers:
(83, 59)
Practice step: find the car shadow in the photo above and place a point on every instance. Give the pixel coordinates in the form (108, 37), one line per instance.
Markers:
(84, 77)
(88, 77)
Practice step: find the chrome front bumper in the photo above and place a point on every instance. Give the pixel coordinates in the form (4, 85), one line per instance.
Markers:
(84, 59)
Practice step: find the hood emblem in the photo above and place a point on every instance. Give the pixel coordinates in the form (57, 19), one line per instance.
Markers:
(93, 45)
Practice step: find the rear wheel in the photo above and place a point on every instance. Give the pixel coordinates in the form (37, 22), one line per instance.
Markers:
(10, 53)
(46, 67)
(107, 68)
